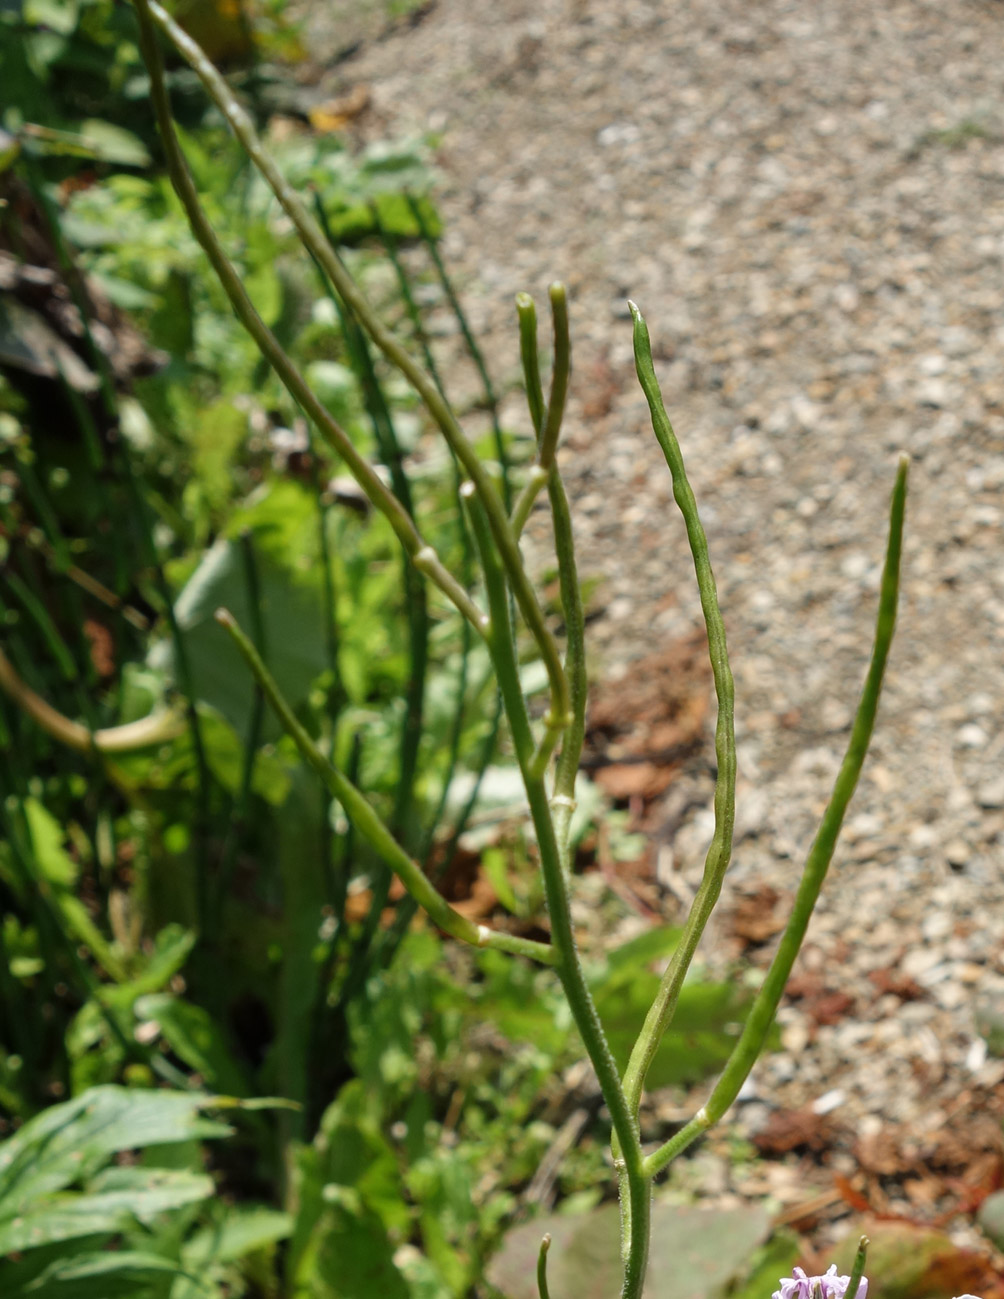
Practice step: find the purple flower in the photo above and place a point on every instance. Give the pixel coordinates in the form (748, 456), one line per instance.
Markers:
(828, 1286)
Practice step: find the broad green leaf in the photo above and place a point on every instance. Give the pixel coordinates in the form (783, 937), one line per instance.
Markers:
(113, 143)
(295, 647)
(145, 1192)
(101, 1275)
(225, 755)
(56, 1218)
(68, 1143)
(303, 898)
(118, 1196)
(352, 223)
(83, 929)
(54, 863)
(653, 945)
(495, 864)
(704, 1028)
(171, 949)
(243, 1229)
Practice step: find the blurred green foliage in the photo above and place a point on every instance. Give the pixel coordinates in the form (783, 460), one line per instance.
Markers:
(194, 916)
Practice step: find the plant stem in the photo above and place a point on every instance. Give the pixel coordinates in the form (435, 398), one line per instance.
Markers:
(547, 425)
(545, 1245)
(761, 1015)
(155, 729)
(477, 356)
(526, 311)
(573, 982)
(560, 372)
(422, 555)
(720, 850)
(369, 825)
(313, 239)
(858, 1270)
(563, 802)
(415, 602)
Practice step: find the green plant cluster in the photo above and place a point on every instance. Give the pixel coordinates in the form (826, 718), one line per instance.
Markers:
(193, 921)
(192, 912)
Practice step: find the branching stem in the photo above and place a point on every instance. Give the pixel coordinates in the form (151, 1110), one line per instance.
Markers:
(421, 554)
(315, 242)
(158, 728)
(716, 863)
(573, 981)
(369, 824)
(761, 1016)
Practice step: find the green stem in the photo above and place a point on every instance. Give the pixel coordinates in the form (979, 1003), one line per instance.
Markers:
(526, 311)
(858, 1270)
(158, 728)
(560, 372)
(422, 555)
(761, 1015)
(415, 603)
(575, 661)
(477, 356)
(549, 426)
(720, 850)
(314, 240)
(573, 981)
(369, 825)
(408, 298)
(545, 1245)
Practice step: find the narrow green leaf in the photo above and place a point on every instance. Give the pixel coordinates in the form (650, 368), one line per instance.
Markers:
(243, 1230)
(68, 1143)
(122, 1194)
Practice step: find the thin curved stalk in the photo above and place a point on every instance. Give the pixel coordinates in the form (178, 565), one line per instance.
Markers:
(313, 239)
(720, 850)
(761, 1016)
(563, 801)
(410, 305)
(155, 729)
(477, 356)
(858, 1269)
(545, 1245)
(368, 823)
(548, 424)
(466, 576)
(560, 373)
(415, 602)
(526, 311)
(422, 554)
(573, 982)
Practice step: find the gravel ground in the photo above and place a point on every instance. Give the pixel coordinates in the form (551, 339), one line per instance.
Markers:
(806, 198)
